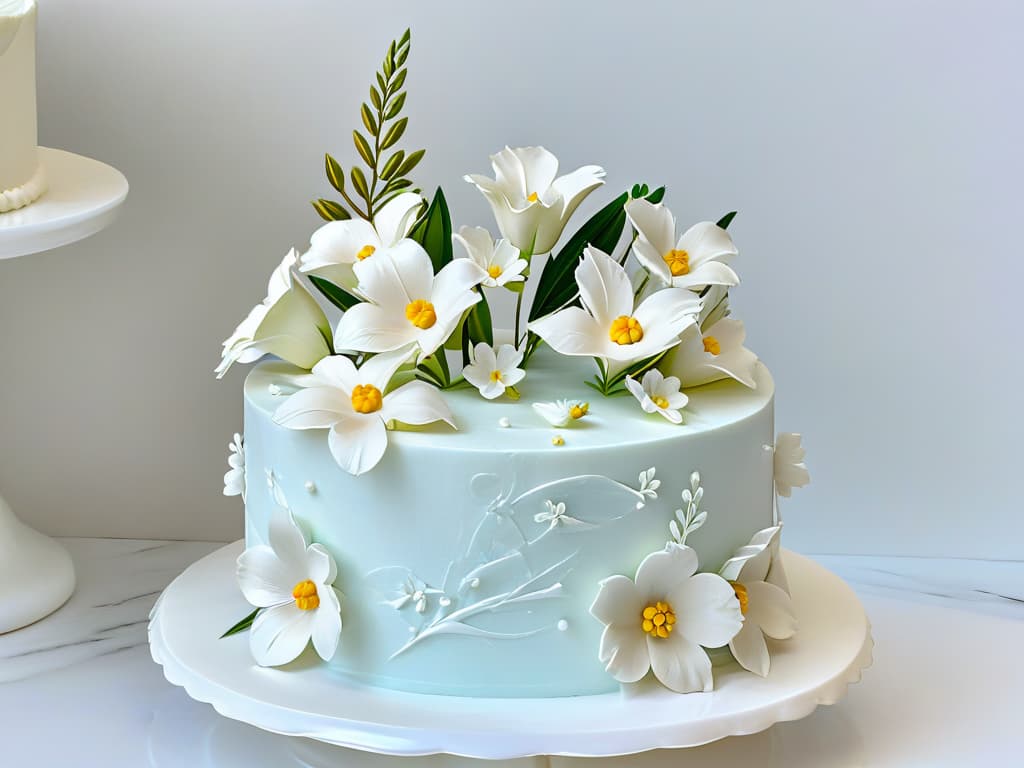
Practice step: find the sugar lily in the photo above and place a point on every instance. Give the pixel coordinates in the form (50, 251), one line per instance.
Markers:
(656, 394)
(712, 354)
(664, 619)
(354, 404)
(530, 204)
(767, 608)
(292, 581)
(287, 323)
(790, 469)
(562, 413)
(697, 259)
(608, 327)
(338, 245)
(494, 371)
(499, 260)
(406, 304)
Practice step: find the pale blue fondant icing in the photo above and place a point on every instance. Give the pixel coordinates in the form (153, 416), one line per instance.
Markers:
(451, 584)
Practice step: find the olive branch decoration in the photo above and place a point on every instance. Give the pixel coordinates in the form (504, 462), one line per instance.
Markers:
(383, 178)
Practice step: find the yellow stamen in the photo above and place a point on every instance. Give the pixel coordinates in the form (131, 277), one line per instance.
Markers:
(366, 398)
(558, 440)
(658, 620)
(711, 345)
(495, 375)
(305, 595)
(625, 330)
(660, 401)
(421, 313)
(532, 197)
(579, 410)
(494, 271)
(366, 252)
(678, 262)
(741, 595)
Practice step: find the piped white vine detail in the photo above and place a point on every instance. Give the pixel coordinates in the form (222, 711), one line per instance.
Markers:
(691, 517)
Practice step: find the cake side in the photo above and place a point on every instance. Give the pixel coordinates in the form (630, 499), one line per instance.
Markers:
(451, 520)
(21, 176)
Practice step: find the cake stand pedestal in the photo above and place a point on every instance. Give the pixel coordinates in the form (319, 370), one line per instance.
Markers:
(304, 699)
(84, 195)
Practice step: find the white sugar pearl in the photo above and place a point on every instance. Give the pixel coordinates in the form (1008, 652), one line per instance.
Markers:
(562, 625)
(504, 422)
(310, 486)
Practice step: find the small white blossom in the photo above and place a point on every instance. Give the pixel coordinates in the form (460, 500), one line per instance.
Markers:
(234, 478)
(493, 370)
(561, 413)
(790, 470)
(657, 394)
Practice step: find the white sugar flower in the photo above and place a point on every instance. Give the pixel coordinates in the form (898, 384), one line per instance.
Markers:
(609, 327)
(766, 539)
(790, 470)
(499, 260)
(715, 353)
(234, 478)
(338, 245)
(406, 303)
(288, 323)
(293, 582)
(415, 592)
(657, 394)
(767, 608)
(529, 203)
(664, 619)
(493, 371)
(700, 257)
(555, 515)
(354, 404)
(561, 413)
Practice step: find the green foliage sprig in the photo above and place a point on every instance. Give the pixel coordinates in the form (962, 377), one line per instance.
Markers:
(386, 173)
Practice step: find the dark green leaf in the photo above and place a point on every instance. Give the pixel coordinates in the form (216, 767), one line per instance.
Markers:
(241, 626)
(335, 294)
(411, 162)
(434, 231)
(359, 182)
(330, 210)
(368, 119)
(363, 146)
(393, 164)
(479, 322)
(399, 80)
(335, 173)
(375, 98)
(726, 220)
(394, 133)
(656, 196)
(391, 189)
(395, 106)
(406, 37)
(403, 54)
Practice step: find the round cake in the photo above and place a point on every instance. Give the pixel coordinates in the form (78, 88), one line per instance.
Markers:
(22, 180)
(462, 517)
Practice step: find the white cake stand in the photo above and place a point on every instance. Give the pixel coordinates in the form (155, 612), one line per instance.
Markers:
(36, 574)
(830, 650)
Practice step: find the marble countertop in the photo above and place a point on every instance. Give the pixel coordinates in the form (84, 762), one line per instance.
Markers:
(79, 688)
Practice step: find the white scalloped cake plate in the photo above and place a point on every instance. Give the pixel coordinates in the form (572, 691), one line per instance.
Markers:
(829, 652)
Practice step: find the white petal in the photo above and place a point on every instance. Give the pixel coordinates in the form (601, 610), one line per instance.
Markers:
(478, 244)
(509, 173)
(396, 218)
(555, 414)
(539, 168)
(380, 369)
(617, 602)
(709, 273)
(575, 186)
(771, 609)
(662, 573)
(280, 634)
(679, 663)
(654, 223)
(263, 578)
(605, 288)
(326, 629)
(750, 649)
(338, 242)
(368, 328)
(416, 403)
(508, 358)
(320, 566)
(707, 610)
(705, 241)
(358, 442)
(396, 276)
(289, 542)
(624, 652)
(572, 332)
(336, 371)
(313, 408)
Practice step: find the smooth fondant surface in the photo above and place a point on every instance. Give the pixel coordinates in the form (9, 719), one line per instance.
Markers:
(451, 515)
(21, 181)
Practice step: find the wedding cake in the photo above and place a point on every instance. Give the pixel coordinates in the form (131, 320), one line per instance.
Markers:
(21, 176)
(442, 496)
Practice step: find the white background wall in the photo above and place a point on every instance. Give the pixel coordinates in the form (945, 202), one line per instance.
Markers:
(872, 149)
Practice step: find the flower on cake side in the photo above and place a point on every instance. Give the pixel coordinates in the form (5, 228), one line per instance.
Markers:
(664, 618)
(767, 607)
(357, 408)
(790, 469)
(234, 478)
(291, 583)
(288, 323)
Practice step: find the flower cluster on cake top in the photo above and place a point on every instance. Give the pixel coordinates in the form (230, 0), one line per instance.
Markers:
(646, 299)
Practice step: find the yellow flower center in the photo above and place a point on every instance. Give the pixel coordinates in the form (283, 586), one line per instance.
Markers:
(711, 345)
(366, 398)
(579, 410)
(305, 595)
(660, 401)
(366, 252)
(625, 330)
(533, 197)
(741, 595)
(421, 313)
(495, 375)
(678, 262)
(494, 271)
(658, 619)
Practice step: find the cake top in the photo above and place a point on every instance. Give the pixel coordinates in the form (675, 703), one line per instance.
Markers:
(632, 310)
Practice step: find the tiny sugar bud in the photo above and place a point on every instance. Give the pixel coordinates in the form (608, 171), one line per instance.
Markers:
(558, 440)
(504, 422)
